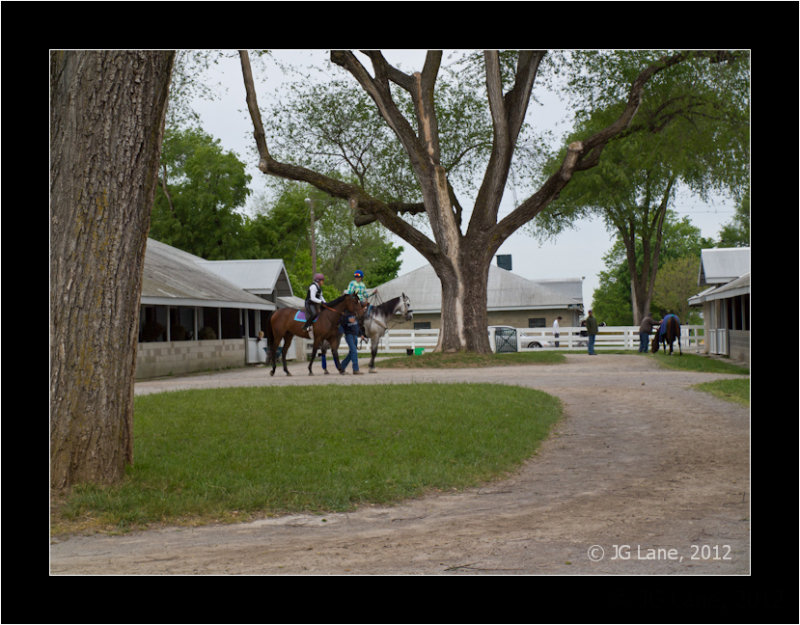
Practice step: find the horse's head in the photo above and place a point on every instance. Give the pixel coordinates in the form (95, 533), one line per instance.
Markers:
(654, 344)
(406, 307)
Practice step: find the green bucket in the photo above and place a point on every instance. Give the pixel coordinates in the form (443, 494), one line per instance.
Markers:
(418, 351)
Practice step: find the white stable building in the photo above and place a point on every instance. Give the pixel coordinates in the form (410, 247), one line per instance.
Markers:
(726, 301)
(197, 314)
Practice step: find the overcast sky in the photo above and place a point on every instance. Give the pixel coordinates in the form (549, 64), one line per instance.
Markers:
(577, 253)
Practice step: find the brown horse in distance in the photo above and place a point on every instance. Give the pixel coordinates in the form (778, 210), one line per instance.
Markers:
(282, 325)
(668, 331)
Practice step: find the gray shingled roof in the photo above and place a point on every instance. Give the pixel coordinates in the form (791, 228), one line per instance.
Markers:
(505, 291)
(176, 278)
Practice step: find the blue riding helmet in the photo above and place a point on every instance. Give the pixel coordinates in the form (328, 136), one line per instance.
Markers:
(358, 273)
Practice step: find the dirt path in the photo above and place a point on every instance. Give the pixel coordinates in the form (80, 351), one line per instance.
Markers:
(643, 475)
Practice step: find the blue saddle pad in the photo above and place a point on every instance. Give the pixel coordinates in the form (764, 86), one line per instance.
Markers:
(300, 316)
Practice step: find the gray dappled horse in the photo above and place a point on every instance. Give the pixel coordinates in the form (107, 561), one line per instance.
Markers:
(377, 318)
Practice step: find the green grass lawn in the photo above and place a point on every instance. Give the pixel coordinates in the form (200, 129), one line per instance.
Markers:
(696, 362)
(737, 391)
(463, 359)
(233, 454)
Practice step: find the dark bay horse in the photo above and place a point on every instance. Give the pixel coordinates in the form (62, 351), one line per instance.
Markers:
(376, 321)
(285, 324)
(668, 331)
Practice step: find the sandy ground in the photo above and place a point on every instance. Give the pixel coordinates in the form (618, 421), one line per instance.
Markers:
(643, 475)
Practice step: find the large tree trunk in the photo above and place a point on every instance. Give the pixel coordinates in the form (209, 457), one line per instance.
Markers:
(652, 234)
(107, 113)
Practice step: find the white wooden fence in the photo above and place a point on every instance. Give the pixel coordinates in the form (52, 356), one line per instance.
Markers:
(399, 341)
(608, 337)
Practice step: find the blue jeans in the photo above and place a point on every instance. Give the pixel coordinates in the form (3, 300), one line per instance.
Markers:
(592, 337)
(352, 343)
(643, 341)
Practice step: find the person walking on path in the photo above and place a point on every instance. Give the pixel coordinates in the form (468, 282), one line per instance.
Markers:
(349, 324)
(591, 330)
(645, 330)
(556, 329)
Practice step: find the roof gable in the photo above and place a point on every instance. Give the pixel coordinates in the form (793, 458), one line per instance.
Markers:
(723, 264)
(261, 276)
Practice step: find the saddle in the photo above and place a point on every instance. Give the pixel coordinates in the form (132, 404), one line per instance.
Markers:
(302, 317)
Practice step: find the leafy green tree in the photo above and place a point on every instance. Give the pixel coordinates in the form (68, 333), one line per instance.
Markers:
(675, 284)
(737, 233)
(459, 242)
(698, 138)
(200, 187)
(283, 231)
(612, 299)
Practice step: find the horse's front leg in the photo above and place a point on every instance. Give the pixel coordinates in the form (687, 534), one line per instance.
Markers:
(373, 353)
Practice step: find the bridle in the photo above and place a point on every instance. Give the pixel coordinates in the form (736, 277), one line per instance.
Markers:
(404, 303)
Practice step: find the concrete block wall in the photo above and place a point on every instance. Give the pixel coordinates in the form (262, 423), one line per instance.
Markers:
(155, 360)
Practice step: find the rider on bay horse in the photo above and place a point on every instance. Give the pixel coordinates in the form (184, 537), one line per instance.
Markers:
(314, 300)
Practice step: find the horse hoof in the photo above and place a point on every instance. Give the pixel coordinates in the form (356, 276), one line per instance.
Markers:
(271, 373)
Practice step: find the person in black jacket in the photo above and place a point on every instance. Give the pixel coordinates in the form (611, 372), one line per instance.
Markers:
(314, 300)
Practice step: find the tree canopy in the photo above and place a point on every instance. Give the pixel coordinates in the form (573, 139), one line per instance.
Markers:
(693, 133)
(201, 186)
(619, 94)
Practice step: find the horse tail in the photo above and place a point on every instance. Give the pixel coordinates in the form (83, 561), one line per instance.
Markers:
(674, 327)
(269, 335)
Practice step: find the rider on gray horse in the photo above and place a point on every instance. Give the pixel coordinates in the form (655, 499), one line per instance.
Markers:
(358, 288)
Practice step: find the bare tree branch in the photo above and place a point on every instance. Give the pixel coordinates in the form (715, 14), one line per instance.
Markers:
(378, 89)
(508, 113)
(366, 208)
(583, 154)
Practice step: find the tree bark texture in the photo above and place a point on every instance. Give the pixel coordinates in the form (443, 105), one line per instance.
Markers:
(107, 113)
(460, 259)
